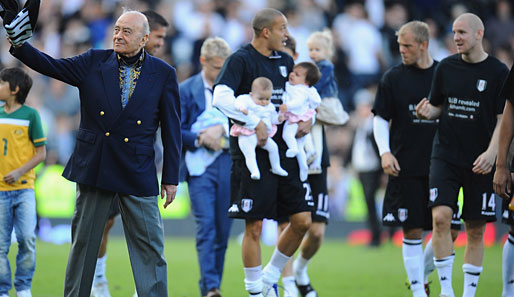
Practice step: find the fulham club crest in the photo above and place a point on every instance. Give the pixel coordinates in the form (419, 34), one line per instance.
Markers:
(481, 84)
(402, 214)
(246, 204)
(433, 194)
(283, 70)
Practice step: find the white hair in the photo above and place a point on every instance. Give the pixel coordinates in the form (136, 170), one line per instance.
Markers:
(145, 25)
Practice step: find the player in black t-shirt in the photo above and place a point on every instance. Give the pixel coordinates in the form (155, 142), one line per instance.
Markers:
(503, 182)
(272, 196)
(465, 95)
(405, 149)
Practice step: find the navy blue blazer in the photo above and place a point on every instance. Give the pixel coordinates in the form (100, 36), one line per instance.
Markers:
(192, 104)
(114, 147)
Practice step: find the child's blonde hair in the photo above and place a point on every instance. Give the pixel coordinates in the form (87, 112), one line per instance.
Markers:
(324, 39)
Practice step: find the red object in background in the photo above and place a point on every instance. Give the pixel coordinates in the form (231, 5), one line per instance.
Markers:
(359, 237)
(363, 237)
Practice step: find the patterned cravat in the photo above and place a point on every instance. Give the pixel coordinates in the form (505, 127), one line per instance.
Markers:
(129, 75)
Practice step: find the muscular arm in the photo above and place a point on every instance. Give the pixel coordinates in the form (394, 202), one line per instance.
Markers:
(505, 135)
(502, 181)
(39, 157)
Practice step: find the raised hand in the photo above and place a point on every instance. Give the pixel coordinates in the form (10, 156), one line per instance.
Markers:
(22, 26)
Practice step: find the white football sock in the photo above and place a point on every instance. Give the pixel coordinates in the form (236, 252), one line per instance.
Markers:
(288, 279)
(471, 275)
(271, 273)
(100, 276)
(428, 255)
(300, 271)
(412, 251)
(508, 267)
(253, 280)
(444, 269)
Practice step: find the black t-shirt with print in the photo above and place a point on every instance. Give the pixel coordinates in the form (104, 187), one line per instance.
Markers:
(399, 91)
(245, 65)
(508, 87)
(469, 94)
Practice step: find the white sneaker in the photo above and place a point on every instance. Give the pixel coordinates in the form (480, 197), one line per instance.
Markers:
(135, 294)
(100, 290)
(269, 290)
(24, 293)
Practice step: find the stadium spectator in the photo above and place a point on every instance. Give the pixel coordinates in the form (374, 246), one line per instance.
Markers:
(465, 97)
(396, 15)
(436, 47)
(365, 159)
(500, 27)
(362, 43)
(271, 196)
(23, 145)
(114, 153)
(206, 164)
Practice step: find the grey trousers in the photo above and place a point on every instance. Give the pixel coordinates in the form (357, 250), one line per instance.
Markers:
(144, 234)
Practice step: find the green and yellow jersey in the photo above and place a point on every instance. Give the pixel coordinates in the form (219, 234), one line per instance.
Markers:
(20, 133)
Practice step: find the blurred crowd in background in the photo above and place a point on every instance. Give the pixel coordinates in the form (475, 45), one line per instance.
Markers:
(364, 35)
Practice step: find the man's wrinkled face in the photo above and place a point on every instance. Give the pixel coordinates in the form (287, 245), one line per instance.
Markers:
(128, 37)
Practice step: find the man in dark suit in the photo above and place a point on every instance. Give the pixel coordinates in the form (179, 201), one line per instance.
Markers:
(125, 94)
(158, 26)
(204, 134)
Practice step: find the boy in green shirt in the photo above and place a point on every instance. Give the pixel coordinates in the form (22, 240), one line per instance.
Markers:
(22, 147)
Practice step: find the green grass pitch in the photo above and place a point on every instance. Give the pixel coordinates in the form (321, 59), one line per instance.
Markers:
(338, 270)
